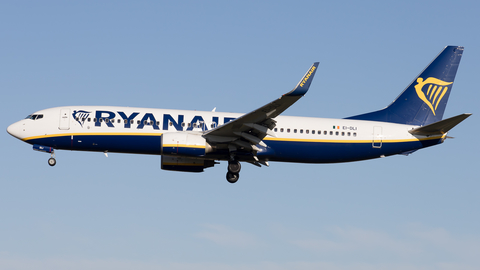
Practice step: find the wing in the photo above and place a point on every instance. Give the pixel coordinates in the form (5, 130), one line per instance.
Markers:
(248, 131)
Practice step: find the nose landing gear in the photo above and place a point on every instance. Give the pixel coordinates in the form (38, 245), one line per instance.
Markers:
(51, 160)
(46, 149)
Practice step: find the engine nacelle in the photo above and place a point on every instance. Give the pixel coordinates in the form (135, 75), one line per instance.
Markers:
(184, 144)
(185, 164)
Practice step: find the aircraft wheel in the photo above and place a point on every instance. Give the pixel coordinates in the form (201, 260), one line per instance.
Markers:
(52, 162)
(232, 177)
(234, 166)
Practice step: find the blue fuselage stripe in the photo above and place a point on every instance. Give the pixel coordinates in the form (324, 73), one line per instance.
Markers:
(111, 143)
(332, 152)
(277, 150)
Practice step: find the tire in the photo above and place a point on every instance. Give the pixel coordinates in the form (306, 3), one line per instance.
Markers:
(232, 177)
(52, 162)
(234, 166)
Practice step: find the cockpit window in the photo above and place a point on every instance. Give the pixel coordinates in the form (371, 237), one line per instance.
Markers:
(34, 116)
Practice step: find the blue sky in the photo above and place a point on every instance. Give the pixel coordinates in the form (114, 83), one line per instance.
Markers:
(123, 212)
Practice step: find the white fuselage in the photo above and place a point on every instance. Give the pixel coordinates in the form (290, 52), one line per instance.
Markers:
(297, 139)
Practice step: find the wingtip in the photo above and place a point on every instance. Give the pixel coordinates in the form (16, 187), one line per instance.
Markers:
(304, 84)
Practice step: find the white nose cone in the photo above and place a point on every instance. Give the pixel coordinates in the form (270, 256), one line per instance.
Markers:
(15, 130)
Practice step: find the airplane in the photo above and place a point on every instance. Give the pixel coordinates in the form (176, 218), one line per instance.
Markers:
(191, 141)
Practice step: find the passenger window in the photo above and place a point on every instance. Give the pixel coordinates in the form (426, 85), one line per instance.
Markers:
(145, 122)
(170, 123)
(295, 131)
(276, 129)
(313, 131)
(354, 134)
(336, 133)
(107, 120)
(125, 121)
(138, 122)
(306, 131)
(348, 133)
(88, 119)
(118, 121)
(343, 133)
(301, 130)
(331, 132)
(100, 120)
(94, 120)
(131, 122)
(288, 130)
(183, 124)
(281, 130)
(158, 123)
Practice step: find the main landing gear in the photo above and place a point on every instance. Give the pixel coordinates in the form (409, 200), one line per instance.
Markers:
(233, 171)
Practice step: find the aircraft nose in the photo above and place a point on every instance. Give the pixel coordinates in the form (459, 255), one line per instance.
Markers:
(15, 130)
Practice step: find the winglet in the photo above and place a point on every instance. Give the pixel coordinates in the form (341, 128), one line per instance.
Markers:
(302, 86)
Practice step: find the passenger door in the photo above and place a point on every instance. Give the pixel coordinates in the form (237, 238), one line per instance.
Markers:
(377, 137)
(64, 119)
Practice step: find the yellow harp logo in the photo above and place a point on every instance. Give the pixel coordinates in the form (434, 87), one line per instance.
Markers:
(431, 91)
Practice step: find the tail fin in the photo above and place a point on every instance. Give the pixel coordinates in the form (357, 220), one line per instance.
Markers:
(423, 102)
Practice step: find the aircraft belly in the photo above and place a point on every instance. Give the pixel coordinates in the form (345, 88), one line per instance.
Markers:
(333, 152)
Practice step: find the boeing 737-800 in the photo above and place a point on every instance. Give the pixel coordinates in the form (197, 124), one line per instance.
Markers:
(190, 141)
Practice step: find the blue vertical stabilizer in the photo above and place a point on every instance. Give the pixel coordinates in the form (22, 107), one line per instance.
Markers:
(423, 102)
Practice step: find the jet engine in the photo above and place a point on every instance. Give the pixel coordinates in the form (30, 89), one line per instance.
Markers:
(185, 152)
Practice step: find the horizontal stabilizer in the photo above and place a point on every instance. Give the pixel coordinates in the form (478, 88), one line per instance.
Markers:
(440, 127)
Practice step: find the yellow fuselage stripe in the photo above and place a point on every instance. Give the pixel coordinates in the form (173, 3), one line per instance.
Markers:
(93, 134)
(184, 145)
(265, 139)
